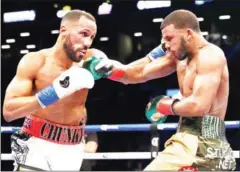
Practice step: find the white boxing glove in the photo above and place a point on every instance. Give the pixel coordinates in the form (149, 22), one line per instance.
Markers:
(70, 81)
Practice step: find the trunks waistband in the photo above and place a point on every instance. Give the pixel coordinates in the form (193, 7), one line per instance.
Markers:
(49, 131)
(206, 127)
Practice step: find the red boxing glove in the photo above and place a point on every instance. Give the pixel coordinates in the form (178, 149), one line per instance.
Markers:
(165, 106)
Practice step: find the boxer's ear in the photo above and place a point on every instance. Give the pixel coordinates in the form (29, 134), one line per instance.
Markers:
(63, 30)
(189, 34)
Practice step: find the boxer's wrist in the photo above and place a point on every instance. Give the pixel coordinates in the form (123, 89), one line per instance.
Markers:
(67, 83)
(47, 96)
(172, 106)
(117, 74)
(165, 106)
(118, 71)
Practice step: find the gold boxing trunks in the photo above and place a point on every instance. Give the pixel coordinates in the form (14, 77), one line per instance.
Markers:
(199, 145)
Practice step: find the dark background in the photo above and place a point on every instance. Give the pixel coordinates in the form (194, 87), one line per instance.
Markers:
(115, 103)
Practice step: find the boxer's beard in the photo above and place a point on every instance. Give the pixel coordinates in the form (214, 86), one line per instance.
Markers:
(182, 50)
(68, 48)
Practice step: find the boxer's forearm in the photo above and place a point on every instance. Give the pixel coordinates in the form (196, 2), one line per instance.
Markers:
(142, 61)
(189, 106)
(142, 70)
(19, 107)
(135, 71)
(147, 71)
(132, 74)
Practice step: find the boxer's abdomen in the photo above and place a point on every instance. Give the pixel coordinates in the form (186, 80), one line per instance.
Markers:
(68, 111)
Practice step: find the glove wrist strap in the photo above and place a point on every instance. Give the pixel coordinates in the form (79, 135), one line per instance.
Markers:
(172, 109)
(117, 74)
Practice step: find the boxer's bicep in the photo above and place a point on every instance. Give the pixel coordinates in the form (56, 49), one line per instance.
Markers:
(19, 98)
(207, 81)
(22, 83)
(18, 87)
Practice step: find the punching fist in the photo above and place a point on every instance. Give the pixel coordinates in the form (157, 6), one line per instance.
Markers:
(95, 52)
(158, 109)
(157, 52)
(97, 63)
(102, 67)
(68, 82)
(99, 67)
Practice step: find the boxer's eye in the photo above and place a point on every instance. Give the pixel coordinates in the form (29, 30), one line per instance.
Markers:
(84, 34)
(168, 38)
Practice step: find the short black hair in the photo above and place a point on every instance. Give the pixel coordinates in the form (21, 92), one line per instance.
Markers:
(181, 19)
(76, 15)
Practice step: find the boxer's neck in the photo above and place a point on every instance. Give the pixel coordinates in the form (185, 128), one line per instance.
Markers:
(197, 43)
(60, 56)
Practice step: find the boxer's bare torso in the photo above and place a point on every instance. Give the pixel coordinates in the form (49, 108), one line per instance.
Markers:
(186, 73)
(36, 71)
(68, 111)
(212, 62)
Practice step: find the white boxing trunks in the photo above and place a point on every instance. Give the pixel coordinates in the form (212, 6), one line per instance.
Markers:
(43, 145)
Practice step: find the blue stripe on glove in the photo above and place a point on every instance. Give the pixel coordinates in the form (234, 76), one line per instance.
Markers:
(47, 96)
(157, 52)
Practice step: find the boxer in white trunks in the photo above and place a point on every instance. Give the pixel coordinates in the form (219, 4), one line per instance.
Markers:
(49, 90)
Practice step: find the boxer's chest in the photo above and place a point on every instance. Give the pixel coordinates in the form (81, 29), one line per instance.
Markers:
(46, 76)
(186, 75)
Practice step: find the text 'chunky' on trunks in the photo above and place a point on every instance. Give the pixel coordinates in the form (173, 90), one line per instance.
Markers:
(52, 132)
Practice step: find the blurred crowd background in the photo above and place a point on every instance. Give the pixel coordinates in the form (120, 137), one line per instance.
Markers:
(127, 31)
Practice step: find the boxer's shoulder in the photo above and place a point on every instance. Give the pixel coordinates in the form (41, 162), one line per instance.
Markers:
(31, 62)
(217, 50)
(36, 56)
(212, 50)
(212, 54)
(44, 52)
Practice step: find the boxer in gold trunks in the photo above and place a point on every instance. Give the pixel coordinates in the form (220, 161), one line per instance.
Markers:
(50, 89)
(200, 142)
